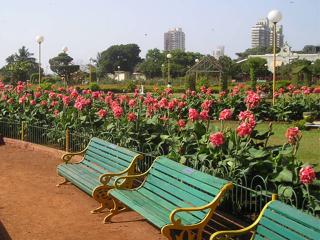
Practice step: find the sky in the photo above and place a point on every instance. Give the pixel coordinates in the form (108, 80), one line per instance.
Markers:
(87, 27)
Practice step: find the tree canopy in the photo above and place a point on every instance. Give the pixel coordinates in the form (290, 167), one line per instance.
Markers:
(62, 65)
(124, 56)
(19, 66)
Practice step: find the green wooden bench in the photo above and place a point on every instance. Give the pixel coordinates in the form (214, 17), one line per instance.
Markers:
(96, 172)
(278, 221)
(175, 198)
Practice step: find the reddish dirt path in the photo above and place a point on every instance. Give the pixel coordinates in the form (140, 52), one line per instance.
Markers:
(32, 208)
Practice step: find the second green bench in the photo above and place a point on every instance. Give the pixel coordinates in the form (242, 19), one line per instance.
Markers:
(96, 172)
(175, 198)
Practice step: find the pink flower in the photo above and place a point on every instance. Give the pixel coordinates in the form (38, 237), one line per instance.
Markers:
(164, 118)
(52, 95)
(54, 103)
(32, 102)
(203, 89)
(117, 111)
(37, 94)
(132, 117)
(225, 114)
(181, 123)
(10, 100)
(181, 105)
(217, 139)
(204, 115)
(252, 100)
(163, 103)
(74, 93)
(171, 105)
(168, 90)
(246, 115)
(22, 100)
(19, 88)
(56, 113)
(132, 103)
(292, 135)
(43, 103)
(102, 113)
(193, 114)
(307, 175)
(66, 100)
(244, 129)
(206, 104)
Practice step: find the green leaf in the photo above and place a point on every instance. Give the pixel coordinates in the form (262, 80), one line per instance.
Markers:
(284, 176)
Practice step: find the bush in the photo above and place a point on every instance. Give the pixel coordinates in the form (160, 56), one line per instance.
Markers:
(94, 87)
(301, 124)
(46, 85)
(131, 86)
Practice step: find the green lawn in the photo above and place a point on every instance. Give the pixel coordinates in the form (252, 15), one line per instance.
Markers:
(309, 150)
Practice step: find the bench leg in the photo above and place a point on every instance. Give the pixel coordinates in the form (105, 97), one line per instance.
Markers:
(116, 210)
(100, 209)
(62, 183)
(100, 194)
(179, 232)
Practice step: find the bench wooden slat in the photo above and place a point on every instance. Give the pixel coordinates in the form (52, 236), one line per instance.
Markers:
(114, 147)
(277, 216)
(104, 158)
(180, 190)
(191, 178)
(298, 216)
(169, 201)
(113, 150)
(94, 160)
(266, 233)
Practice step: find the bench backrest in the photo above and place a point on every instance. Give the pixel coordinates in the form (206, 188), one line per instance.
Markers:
(181, 185)
(104, 156)
(281, 221)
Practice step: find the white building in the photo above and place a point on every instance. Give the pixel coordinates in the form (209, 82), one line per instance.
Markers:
(262, 34)
(219, 52)
(174, 39)
(286, 56)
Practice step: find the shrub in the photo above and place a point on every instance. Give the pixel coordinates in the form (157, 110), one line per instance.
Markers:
(94, 87)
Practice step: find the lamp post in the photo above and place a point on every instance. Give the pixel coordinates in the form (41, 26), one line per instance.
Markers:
(196, 61)
(169, 56)
(162, 70)
(65, 78)
(274, 16)
(39, 40)
(118, 73)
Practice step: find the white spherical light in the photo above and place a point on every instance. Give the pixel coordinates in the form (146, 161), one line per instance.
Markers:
(275, 16)
(169, 55)
(65, 49)
(39, 39)
(197, 60)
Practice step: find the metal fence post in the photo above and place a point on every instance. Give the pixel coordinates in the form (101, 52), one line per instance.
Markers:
(67, 139)
(22, 131)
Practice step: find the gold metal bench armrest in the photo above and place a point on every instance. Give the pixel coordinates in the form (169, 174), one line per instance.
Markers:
(105, 178)
(212, 205)
(119, 181)
(230, 233)
(67, 157)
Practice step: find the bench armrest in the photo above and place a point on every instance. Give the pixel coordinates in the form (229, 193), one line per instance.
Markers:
(230, 233)
(67, 157)
(212, 205)
(120, 180)
(105, 178)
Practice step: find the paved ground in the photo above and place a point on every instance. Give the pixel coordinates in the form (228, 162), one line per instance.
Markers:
(32, 208)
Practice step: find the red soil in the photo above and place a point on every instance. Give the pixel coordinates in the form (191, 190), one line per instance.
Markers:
(33, 208)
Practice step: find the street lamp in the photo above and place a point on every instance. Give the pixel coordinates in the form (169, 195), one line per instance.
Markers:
(39, 40)
(169, 56)
(274, 16)
(196, 61)
(65, 49)
(118, 73)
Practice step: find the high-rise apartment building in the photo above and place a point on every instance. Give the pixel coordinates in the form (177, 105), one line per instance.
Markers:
(174, 39)
(262, 34)
(219, 52)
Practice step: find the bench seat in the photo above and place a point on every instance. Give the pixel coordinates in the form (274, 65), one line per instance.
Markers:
(278, 221)
(175, 198)
(95, 173)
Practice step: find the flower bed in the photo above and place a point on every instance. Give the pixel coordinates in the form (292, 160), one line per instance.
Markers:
(180, 128)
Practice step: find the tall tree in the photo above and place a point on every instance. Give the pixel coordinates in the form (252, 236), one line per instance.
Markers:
(255, 67)
(152, 65)
(229, 69)
(19, 66)
(63, 66)
(124, 56)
